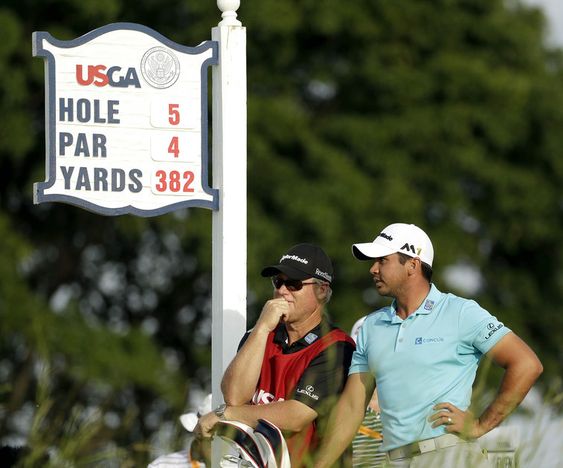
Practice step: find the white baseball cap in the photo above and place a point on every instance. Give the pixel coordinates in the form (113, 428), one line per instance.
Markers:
(399, 237)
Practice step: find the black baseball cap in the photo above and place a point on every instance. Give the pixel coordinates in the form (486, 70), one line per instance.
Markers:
(303, 261)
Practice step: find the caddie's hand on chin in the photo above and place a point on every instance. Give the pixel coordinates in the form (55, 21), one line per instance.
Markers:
(272, 313)
(206, 425)
(456, 421)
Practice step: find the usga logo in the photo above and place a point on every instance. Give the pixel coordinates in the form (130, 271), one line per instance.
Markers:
(100, 75)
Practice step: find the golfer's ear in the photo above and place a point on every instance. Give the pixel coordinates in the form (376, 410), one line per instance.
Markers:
(322, 291)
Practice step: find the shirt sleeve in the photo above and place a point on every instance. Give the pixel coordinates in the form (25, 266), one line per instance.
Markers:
(243, 340)
(479, 329)
(324, 379)
(360, 357)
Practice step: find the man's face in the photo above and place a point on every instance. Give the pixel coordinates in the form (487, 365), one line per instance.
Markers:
(389, 275)
(302, 303)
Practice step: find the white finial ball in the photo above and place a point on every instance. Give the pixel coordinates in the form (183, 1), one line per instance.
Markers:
(228, 5)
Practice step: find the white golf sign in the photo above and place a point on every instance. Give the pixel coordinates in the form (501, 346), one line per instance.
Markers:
(126, 121)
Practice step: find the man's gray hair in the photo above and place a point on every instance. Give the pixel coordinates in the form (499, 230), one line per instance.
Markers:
(328, 289)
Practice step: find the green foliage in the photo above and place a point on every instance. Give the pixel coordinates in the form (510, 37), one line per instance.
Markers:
(447, 114)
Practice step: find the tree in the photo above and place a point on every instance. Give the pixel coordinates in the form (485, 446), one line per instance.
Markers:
(360, 114)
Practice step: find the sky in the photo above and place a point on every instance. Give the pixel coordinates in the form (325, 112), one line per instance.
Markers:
(554, 11)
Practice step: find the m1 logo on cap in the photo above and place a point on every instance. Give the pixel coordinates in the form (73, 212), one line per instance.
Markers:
(410, 248)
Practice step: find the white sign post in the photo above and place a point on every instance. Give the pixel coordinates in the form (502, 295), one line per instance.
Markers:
(126, 121)
(229, 173)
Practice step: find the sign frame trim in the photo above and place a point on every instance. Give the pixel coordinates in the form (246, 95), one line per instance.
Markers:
(50, 120)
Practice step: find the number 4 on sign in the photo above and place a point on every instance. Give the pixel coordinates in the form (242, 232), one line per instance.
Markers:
(174, 147)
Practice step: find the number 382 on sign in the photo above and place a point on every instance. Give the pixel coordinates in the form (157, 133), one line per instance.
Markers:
(173, 182)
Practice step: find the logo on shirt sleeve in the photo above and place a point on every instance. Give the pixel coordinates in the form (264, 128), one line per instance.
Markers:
(309, 390)
(493, 328)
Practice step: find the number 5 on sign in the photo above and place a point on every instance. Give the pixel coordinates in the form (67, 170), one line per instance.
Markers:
(175, 112)
(182, 146)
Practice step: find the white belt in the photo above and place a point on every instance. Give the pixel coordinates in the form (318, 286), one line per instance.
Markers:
(424, 446)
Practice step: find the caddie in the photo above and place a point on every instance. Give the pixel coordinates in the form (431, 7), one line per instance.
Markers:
(291, 367)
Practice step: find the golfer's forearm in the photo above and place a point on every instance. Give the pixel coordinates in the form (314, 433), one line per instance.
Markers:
(240, 378)
(289, 415)
(516, 383)
(343, 425)
(330, 453)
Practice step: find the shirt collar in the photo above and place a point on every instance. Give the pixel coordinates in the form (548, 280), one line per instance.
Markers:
(425, 308)
(281, 337)
(430, 302)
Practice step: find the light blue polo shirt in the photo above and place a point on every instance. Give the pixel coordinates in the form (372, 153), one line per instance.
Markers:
(430, 357)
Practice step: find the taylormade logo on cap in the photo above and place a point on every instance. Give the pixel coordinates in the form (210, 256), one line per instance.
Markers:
(399, 237)
(303, 261)
(294, 257)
